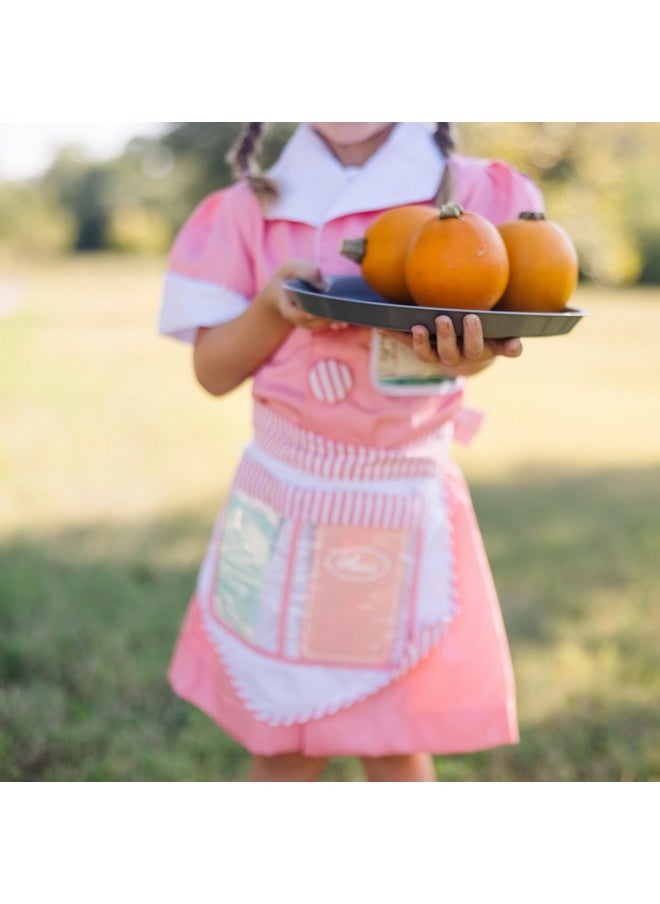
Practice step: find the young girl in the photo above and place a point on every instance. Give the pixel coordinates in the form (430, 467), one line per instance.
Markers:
(345, 605)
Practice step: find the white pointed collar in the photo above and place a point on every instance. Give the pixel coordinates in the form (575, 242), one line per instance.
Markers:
(315, 188)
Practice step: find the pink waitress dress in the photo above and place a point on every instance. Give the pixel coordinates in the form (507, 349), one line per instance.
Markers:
(345, 605)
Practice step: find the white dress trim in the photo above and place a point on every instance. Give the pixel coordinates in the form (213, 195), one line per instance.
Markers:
(189, 303)
(315, 188)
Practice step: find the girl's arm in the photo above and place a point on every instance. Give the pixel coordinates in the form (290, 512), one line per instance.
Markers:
(227, 354)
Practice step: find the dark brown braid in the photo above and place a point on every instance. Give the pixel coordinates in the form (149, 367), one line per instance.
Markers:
(242, 160)
(443, 137)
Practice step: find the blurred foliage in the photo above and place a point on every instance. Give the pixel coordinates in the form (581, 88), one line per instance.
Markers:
(205, 146)
(598, 179)
(129, 203)
(31, 218)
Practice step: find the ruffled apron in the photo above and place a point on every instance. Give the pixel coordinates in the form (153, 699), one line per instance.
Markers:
(330, 571)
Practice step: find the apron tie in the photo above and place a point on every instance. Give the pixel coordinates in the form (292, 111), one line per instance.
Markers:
(467, 423)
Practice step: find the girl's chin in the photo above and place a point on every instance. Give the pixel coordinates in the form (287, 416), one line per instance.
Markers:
(344, 134)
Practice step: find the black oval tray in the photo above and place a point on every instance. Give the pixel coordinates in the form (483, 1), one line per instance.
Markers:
(349, 299)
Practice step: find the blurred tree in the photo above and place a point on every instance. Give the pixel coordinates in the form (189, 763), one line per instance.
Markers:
(32, 222)
(133, 201)
(84, 189)
(137, 230)
(205, 146)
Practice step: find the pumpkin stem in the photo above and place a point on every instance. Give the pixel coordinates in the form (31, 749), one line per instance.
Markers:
(450, 209)
(531, 215)
(354, 249)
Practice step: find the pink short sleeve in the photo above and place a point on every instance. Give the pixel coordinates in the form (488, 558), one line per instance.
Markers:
(494, 189)
(517, 188)
(210, 273)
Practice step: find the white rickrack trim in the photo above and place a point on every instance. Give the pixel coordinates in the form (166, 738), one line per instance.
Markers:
(418, 649)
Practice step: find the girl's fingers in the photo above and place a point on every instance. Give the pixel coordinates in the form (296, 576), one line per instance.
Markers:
(289, 303)
(421, 343)
(293, 312)
(473, 338)
(469, 354)
(512, 348)
(302, 270)
(447, 345)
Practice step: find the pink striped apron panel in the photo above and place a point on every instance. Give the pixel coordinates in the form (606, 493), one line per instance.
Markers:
(330, 572)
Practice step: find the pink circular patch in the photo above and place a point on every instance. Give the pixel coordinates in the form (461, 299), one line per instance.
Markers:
(330, 380)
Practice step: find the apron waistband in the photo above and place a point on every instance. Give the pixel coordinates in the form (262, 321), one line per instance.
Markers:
(332, 459)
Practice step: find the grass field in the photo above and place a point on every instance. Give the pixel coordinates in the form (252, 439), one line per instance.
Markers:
(113, 463)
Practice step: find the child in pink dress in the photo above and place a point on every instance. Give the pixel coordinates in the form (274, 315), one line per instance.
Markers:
(345, 605)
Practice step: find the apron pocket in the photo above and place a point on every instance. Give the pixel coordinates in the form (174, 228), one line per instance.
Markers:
(306, 585)
(246, 566)
(356, 594)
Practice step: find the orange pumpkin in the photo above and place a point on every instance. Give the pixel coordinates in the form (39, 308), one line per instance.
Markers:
(543, 264)
(382, 252)
(457, 260)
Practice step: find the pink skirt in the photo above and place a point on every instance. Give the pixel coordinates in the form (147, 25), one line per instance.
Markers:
(452, 691)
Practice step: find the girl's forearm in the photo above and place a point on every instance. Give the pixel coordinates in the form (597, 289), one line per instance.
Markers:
(229, 353)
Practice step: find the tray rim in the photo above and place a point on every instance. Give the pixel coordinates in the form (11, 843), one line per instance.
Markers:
(298, 285)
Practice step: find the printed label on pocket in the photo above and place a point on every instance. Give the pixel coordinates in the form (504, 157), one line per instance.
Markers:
(396, 370)
(250, 531)
(355, 594)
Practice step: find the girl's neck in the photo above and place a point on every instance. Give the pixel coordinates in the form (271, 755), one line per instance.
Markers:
(357, 153)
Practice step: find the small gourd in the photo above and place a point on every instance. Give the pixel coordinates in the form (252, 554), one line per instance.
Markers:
(457, 260)
(381, 253)
(543, 264)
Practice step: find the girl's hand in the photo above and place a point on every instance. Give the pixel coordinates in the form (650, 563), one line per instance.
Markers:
(287, 304)
(458, 357)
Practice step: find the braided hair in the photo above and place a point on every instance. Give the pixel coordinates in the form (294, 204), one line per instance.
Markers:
(443, 137)
(242, 159)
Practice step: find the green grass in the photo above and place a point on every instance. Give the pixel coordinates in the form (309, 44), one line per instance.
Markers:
(112, 466)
